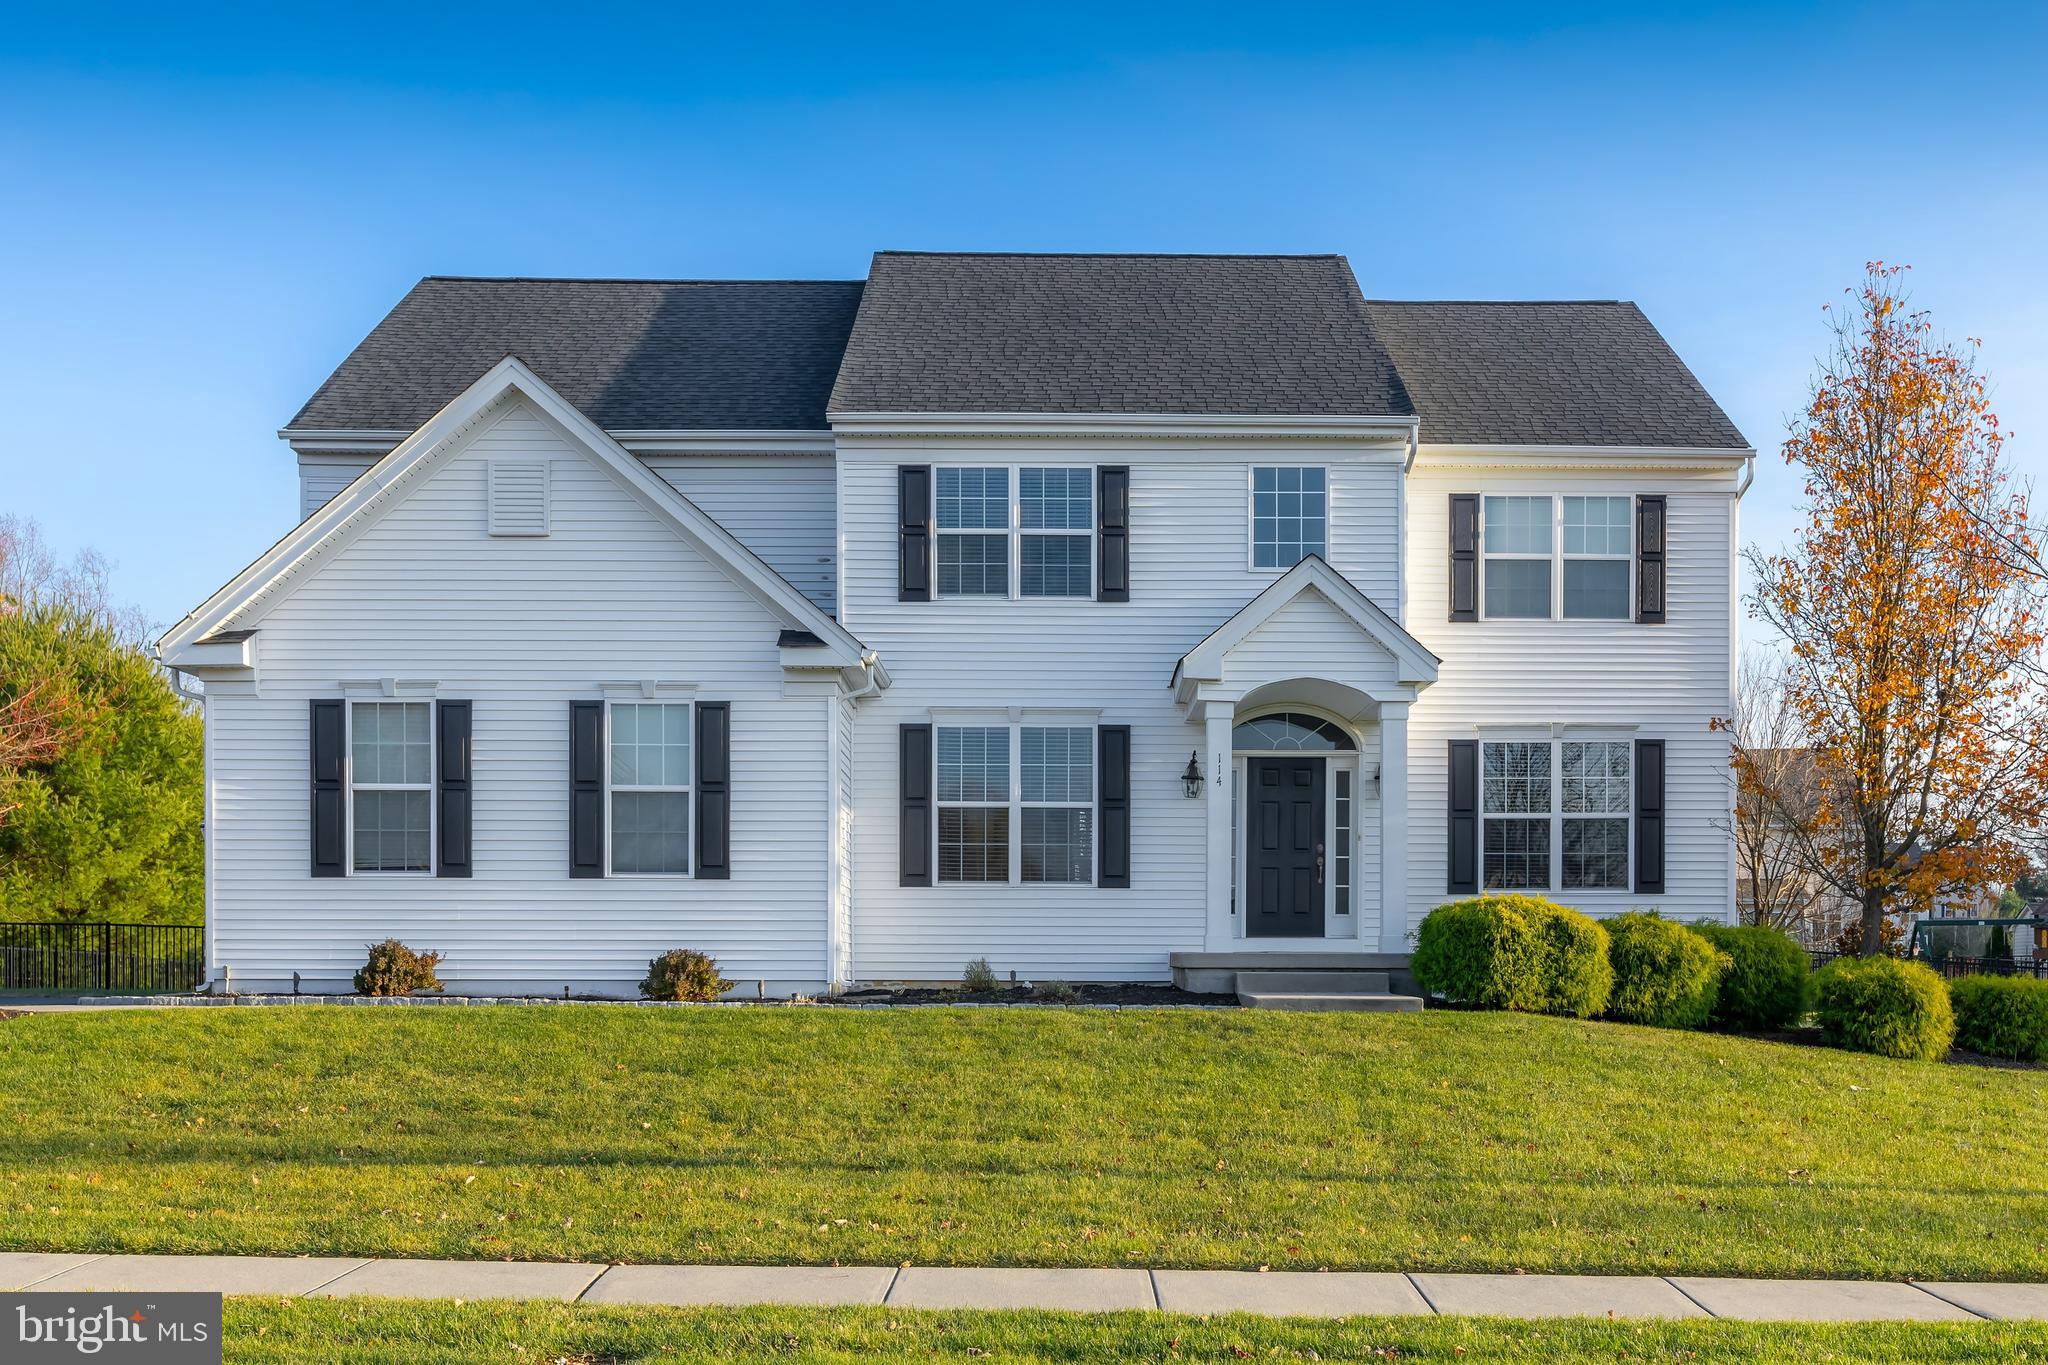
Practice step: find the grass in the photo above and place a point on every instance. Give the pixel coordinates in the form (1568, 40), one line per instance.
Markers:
(374, 1332)
(1445, 1140)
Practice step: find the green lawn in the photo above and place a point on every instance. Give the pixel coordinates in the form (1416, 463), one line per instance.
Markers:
(377, 1332)
(1054, 1137)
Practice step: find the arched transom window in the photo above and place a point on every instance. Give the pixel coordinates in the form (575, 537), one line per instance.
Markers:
(1290, 730)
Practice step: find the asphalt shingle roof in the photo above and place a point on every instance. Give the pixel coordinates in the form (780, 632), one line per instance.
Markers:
(1221, 335)
(630, 354)
(1592, 373)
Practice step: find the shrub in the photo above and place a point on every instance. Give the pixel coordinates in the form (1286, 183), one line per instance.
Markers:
(683, 974)
(1514, 952)
(2002, 1016)
(1058, 992)
(1768, 978)
(979, 978)
(394, 969)
(1886, 1006)
(1664, 973)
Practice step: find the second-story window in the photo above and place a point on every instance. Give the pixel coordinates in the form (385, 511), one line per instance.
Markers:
(1041, 543)
(1557, 557)
(1290, 515)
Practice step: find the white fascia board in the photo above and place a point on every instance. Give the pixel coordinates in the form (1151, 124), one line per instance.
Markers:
(1204, 663)
(508, 377)
(1667, 459)
(720, 442)
(1116, 426)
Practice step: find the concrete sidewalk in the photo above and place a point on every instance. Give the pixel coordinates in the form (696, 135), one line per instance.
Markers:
(1275, 1294)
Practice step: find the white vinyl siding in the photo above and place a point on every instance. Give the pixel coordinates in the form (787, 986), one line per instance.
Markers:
(781, 507)
(322, 475)
(519, 627)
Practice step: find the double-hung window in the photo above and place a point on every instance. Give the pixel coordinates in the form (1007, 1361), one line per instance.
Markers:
(649, 788)
(1566, 557)
(1556, 813)
(1290, 515)
(1016, 803)
(391, 786)
(1038, 543)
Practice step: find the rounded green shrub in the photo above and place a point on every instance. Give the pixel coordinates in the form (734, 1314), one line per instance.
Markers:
(1664, 973)
(1886, 1006)
(2002, 1016)
(1768, 979)
(1577, 976)
(1513, 953)
(684, 974)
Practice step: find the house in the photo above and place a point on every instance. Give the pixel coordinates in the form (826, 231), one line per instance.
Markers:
(1112, 617)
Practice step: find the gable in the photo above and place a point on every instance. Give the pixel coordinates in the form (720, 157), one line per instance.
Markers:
(549, 426)
(1318, 619)
(1308, 637)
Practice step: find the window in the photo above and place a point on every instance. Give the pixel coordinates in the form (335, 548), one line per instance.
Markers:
(1517, 540)
(650, 788)
(1340, 842)
(1036, 780)
(1047, 549)
(1596, 783)
(1288, 731)
(1290, 516)
(391, 785)
(1598, 539)
(1574, 796)
(1566, 557)
(1515, 808)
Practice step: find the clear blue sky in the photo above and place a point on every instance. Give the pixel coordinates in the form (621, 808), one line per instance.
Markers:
(200, 215)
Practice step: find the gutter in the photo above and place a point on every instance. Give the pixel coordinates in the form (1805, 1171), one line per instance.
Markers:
(1748, 476)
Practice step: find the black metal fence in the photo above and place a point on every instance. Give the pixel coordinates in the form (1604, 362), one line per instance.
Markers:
(84, 956)
(1953, 966)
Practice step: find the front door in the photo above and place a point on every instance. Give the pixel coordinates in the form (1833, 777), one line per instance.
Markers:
(1284, 847)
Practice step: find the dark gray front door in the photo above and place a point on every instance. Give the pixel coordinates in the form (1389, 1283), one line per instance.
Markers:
(1284, 847)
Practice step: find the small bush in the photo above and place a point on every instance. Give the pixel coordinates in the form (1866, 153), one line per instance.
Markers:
(1883, 1005)
(1768, 979)
(979, 978)
(1514, 953)
(1664, 973)
(2002, 1016)
(1058, 992)
(683, 974)
(394, 969)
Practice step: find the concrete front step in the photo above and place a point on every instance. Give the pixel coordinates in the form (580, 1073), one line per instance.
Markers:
(1355, 1001)
(1313, 982)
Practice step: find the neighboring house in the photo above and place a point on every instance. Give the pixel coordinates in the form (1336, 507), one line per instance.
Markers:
(1081, 612)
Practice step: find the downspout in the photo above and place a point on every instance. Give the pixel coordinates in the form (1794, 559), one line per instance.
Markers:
(1748, 475)
(870, 663)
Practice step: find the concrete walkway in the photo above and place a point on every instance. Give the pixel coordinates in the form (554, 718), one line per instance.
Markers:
(1276, 1294)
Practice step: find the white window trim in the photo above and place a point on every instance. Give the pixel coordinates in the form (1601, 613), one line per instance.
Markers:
(1557, 814)
(1557, 557)
(348, 741)
(1251, 519)
(1015, 531)
(1016, 723)
(611, 830)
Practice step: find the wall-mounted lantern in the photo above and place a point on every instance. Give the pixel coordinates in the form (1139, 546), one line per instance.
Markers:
(1191, 776)
(1375, 779)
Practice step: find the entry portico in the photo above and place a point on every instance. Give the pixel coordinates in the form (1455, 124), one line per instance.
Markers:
(1302, 698)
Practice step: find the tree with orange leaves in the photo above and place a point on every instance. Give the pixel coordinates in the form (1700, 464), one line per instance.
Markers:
(1913, 640)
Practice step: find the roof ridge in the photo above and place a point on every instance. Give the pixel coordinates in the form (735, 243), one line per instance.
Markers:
(1131, 255)
(617, 279)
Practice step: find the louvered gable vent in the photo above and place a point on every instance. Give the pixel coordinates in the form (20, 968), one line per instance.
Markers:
(518, 497)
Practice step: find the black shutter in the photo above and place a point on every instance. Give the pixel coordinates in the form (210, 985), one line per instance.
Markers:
(1113, 746)
(1650, 816)
(714, 791)
(914, 781)
(451, 788)
(1464, 556)
(329, 738)
(914, 533)
(1650, 533)
(1113, 533)
(586, 789)
(1463, 853)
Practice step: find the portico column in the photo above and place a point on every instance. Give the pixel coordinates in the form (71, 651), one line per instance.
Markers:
(1394, 827)
(1216, 721)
